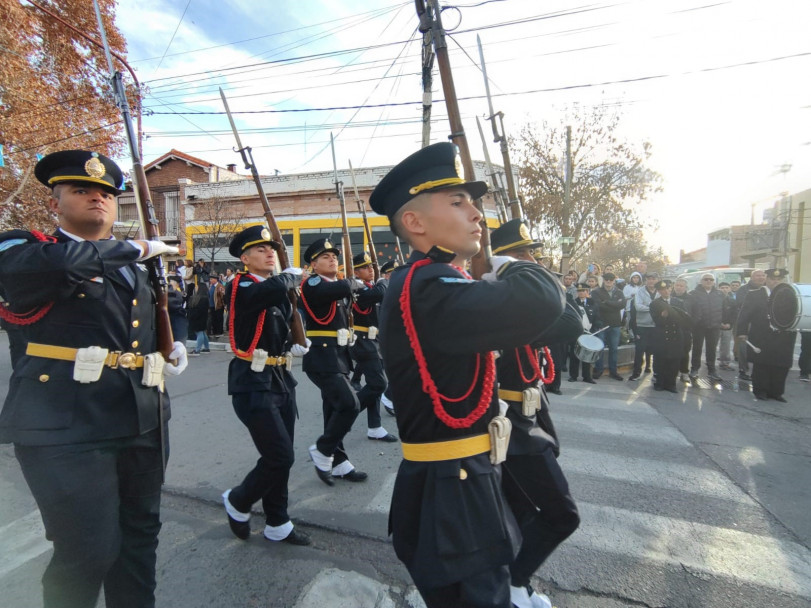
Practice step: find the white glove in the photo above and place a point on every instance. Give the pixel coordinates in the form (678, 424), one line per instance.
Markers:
(502, 407)
(178, 354)
(496, 262)
(297, 350)
(150, 249)
(293, 270)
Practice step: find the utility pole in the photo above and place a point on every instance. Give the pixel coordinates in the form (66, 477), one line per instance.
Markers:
(500, 138)
(433, 23)
(427, 82)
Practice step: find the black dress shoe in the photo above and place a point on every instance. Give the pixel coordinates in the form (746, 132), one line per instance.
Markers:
(297, 538)
(555, 391)
(353, 475)
(780, 398)
(760, 396)
(325, 476)
(589, 381)
(389, 410)
(573, 380)
(597, 375)
(617, 377)
(672, 390)
(656, 387)
(241, 529)
(388, 438)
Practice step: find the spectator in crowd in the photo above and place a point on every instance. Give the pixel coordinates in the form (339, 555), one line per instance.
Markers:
(680, 299)
(733, 309)
(611, 303)
(592, 283)
(629, 291)
(201, 272)
(592, 270)
(756, 281)
(727, 320)
(644, 324)
(177, 309)
(198, 319)
(216, 306)
(188, 278)
(706, 308)
(569, 286)
(229, 275)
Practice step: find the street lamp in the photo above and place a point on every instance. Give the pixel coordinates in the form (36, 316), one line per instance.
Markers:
(566, 245)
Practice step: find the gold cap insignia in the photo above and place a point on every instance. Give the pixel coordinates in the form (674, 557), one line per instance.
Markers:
(265, 234)
(523, 231)
(95, 168)
(328, 245)
(457, 163)
(366, 257)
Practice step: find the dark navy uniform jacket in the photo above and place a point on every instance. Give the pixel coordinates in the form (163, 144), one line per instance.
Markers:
(776, 347)
(320, 295)
(94, 305)
(252, 298)
(446, 528)
(365, 315)
(669, 332)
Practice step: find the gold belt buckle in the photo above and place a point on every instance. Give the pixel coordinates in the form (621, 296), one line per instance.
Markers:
(126, 360)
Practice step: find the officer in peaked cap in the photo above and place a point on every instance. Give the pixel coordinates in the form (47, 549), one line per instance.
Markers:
(88, 411)
(513, 235)
(441, 337)
(366, 351)
(326, 300)
(668, 338)
(250, 237)
(79, 166)
(775, 354)
(388, 267)
(261, 386)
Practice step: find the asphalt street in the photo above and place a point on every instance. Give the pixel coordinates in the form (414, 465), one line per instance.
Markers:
(692, 500)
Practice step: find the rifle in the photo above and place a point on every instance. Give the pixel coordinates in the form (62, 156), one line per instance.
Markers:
(498, 191)
(296, 324)
(349, 269)
(146, 211)
(366, 227)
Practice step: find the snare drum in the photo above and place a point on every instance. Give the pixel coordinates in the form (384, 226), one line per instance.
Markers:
(589, 348)
(790, 307)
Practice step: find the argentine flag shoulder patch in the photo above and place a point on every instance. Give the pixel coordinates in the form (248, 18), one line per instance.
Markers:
(454, 280)
(4, 245)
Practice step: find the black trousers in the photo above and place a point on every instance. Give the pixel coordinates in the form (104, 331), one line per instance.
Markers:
(340, 406)
(538, 494)
(684, 363)
(575, 366)
(558, 352)
(642, 348)
(100, 504)
(701, 335)
(805, 352)
(489, 589)
(271, 421)
(666, 371)
(768, 380)
(371, 368)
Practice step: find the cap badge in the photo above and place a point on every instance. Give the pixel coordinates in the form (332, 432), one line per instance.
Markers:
(524, 232)
(95, 168)
(457, 163)
(265, 234)
(328, 245)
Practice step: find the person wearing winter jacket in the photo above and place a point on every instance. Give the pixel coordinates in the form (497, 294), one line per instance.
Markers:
(644, 324)
(629, 291)
(706, 310)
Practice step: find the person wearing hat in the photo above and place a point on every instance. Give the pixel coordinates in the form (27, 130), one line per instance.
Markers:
(756, 280)
(87, 399)
(667, 337)
(366, 350)
(610, 304)
(534, 484)
(438, 330)
(706, 311)
(387, 268)
(326, 300)
(770, 351)
(588, 307)
(262, 389)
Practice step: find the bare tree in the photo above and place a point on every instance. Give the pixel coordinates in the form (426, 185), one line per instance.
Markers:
(609, 179)
(215, 221)
(624, 251)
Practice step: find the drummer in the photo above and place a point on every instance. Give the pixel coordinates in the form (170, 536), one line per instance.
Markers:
(588, 310)
(771, 351)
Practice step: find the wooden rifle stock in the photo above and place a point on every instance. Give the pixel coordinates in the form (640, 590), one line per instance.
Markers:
(366, 227)
(349, 269)
(296, 324)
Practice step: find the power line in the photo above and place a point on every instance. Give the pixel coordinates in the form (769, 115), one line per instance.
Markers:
(173, 36)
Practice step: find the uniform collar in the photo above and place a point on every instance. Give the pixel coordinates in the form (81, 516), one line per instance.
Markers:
(78, 238)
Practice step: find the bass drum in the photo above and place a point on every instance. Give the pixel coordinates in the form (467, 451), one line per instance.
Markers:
(790, 307)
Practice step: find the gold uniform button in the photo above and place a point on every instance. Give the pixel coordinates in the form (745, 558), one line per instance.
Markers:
(136, 323)
(135, 343)
(81, 295)
(44, 378)
(324, 345)
(135, 302)
(462, 474)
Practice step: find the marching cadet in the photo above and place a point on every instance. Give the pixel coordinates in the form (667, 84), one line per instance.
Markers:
(86, 405)
(326, 300)
(366, 350)
(670, 324)
(534, 484)
(262, 389)
(385, 272)
(775, 349)
(450, 523)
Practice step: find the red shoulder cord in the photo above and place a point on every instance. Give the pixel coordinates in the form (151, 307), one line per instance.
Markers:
(35, 314)
(550, 366)
(326, 319)
(532, 355)
(428, 385)
(260, 323)
(363, 311)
